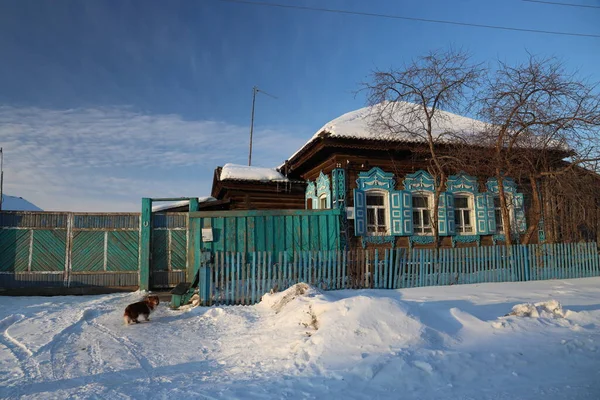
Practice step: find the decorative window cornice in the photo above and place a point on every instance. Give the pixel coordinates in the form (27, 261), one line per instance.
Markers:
(509, 185)
(375, 179)
(311, 190)
(420, 181)
(462, 182)
(323, 185)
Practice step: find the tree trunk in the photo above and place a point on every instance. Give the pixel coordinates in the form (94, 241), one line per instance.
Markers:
(504, 209)
(536, 211)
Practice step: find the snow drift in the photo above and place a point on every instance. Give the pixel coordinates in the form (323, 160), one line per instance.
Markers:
(450, 342)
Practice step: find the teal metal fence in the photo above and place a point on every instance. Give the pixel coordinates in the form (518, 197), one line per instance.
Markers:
(239, 278)
(69, 249)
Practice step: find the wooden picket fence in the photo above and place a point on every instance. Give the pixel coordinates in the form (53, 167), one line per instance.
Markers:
(235, 278)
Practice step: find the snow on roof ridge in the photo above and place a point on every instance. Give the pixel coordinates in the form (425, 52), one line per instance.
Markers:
(166, 206)
(356, 125)
(248, 173)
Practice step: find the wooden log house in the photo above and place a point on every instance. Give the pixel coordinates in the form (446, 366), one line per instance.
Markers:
(382, 183)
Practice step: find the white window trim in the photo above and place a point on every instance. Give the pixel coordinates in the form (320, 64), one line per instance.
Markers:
(430, 203)
(386, 206)
(319, 201)
(471, 204)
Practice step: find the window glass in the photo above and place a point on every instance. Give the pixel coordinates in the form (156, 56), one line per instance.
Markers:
(421, 215)
(462, 214)
(376, 213)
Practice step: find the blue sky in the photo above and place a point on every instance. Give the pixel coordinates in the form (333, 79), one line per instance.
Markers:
(104, 102)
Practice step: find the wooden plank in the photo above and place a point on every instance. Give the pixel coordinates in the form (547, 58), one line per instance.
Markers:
(253, 289)
(270, 241)
(376, 268)
(386, 269)
(344, 282)
(260, 234)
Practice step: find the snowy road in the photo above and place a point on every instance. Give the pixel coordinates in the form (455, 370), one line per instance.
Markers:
(426, 343)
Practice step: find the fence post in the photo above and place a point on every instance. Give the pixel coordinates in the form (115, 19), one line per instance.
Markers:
(146, 220)
(526, 250)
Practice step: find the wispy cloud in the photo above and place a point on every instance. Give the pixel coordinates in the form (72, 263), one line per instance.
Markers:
(106, 159)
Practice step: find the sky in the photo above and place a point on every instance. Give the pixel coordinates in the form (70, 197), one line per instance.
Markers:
(104, 102)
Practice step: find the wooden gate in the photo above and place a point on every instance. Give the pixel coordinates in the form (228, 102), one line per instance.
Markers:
(251, 231)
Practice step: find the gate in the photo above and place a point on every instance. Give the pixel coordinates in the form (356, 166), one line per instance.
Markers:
(249, 231)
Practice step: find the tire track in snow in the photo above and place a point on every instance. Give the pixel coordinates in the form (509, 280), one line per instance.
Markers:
(129, 346)
(63, 336)
(27, 364)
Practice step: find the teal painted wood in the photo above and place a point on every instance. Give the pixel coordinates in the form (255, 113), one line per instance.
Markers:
(392, 268)
(145, 238)
(596, 259)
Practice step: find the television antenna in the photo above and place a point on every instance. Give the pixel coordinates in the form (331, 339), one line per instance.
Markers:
(255, 90)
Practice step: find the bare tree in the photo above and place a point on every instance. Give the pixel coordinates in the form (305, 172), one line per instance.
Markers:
(411, 101)
(544, 123)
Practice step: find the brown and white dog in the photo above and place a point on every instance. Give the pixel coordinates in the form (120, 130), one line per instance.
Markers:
(144, 307)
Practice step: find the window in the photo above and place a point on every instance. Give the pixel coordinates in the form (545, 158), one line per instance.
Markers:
(498, 215)
(323, 202)
(463, 214)
(376, 213)
(421, 215)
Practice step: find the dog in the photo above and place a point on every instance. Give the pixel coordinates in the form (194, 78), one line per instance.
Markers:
(144, 307)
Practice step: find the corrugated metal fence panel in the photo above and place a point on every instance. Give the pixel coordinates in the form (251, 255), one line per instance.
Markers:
(271, 230)
(170, 220)
(31, 280)
(14, 250)
(114, 279)
(119, 221)
(32, 219)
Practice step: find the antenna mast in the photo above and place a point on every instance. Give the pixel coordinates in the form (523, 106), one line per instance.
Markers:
(1, 177)
(255, 90)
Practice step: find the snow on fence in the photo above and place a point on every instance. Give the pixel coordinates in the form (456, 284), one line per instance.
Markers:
(232, 278)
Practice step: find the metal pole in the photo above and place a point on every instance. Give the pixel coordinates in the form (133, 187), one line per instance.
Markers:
(254, 90)
(1, 178)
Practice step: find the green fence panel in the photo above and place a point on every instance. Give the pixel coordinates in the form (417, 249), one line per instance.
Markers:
(87, 253)
(14, 250)
(48, 250)
(122, 252)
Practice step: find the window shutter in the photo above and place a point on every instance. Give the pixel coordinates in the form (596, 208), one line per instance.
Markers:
(443, 215)
(407, 217)
(520, 213)
(481, 214)
(398, 205)
(360, 213)
(450, 213)
(491, 217)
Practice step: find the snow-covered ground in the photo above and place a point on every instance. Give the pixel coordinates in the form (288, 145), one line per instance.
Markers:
(452, 342)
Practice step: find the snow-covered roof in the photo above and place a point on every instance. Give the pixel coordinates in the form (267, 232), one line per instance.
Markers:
(14, 203)
(358, 124)
(245, 173)
(167, 206)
